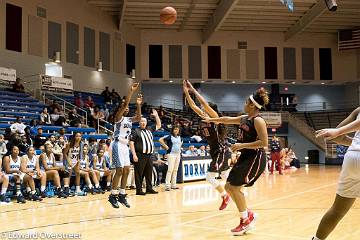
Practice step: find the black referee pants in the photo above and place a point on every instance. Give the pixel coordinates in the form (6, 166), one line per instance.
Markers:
(143, 168)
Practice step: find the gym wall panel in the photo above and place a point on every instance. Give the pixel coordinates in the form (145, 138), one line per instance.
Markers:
(214, 62)
(89, 47)
(155, 61)
(117, 55)
(13, 27)
(194, 62)
(252, 64)
(325, 63)
(271, 68)
(105, 50)
(233, 63)
(307, 59)
(54, 39)
(175, 61)
(72, 43)
(289, 63)
(130, 58)
(35, 40)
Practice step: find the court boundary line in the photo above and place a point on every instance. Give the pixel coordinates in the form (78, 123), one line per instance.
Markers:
(261, 203)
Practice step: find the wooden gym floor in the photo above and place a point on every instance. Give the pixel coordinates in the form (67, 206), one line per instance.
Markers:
(288, 207)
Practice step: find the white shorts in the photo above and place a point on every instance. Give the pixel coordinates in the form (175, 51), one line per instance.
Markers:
(120, 155)
(102, 174)
(349, 181)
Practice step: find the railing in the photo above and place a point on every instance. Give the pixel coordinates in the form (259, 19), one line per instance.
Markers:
(65, 103)
(104, 128)
(303, 128)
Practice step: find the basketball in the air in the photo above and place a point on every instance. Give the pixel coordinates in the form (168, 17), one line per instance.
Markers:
(168, 15)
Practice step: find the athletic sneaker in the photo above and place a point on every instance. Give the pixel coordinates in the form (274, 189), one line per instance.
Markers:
(43, 194)
(92, 191)
(175, 187)
(167, 188)
(80, 193)
(245, 224)
(20, 199)
(108, 188)
(225, 201)
(122, 200)
(99, 190)
(61, 194)
(3, 198)
(113, 200)
(35, 197)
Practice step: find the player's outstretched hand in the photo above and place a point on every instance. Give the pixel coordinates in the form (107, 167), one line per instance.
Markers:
(328, 133)
(134, 86)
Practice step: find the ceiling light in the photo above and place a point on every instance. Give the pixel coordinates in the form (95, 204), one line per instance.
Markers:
(202, 81)
(322, 83)
(133, 75)
(263, 82)
(57, 57)
(293, 82)
(233, 81)
(171, 81)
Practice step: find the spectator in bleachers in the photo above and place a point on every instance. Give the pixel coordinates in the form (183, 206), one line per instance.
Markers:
(74, 118)
(45, 117)
(106, 94)
(3, 149)
(201, 151)
(191, 151)
(7, 134)
(33, 126)
(39, 139)
(96, 114)
(28, 136)
(61, 133)
(18, 87)
(18, 126)
(89, 103)
(115, 97)
(15, 140)
(54, 105)
(93, 147)
(57, 149)
(186, 129)
(58, 118)
(78, 101)
(23, 145)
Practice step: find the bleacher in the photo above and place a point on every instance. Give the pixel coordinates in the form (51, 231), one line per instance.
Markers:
(323, 119)
(13, 105)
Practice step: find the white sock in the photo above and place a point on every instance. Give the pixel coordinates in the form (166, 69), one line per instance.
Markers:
(66, 186)
(97, 185)
(108, 183)
(18, 193)
(122, 191)
(315, 238)
(114, 192)
(90, 186)
(42, 188)
(28, 189)
(78, 189)
(223, 194)
(3, 191)
(33, 192)
(244, 214)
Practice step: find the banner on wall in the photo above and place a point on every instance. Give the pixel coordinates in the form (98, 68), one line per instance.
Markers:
(56, 82)
(7, 74)
(195, 169)
(272, 119)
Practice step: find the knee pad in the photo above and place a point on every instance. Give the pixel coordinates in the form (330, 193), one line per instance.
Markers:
(210, 178)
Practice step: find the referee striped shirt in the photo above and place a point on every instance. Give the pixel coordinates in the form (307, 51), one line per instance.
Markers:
(143, 141)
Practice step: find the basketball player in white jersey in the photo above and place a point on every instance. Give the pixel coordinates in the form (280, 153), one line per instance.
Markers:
(30, 165)
(52, 171)
(72, 155)
(86, 172)
(12, 168)
(4, 180)
(120, 148)
(100, 168)
(348, 188)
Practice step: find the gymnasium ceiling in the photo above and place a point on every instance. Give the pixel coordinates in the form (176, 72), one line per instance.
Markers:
(209, 16)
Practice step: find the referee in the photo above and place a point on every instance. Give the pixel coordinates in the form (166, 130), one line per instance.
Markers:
(142, 147)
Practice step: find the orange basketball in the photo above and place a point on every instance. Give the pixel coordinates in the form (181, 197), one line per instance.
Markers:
(168, 15)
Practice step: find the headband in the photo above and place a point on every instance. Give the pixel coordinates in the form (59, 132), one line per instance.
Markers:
(255, 102)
